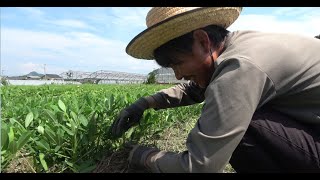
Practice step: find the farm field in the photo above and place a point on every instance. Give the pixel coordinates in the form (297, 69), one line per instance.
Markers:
(65, 128)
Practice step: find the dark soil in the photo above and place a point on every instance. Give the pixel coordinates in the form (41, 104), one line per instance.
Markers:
(116, 163)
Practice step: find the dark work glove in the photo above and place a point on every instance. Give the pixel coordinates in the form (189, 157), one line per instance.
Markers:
(129, 117)
(139, 155)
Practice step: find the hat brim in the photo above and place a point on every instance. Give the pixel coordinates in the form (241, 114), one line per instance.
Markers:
(144, 44)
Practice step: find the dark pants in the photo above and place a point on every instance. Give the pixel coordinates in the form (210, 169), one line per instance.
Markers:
(277, 143)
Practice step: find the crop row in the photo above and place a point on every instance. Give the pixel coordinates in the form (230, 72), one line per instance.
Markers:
(66, 128)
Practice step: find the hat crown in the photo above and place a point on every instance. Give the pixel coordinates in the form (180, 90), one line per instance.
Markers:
(159, 14)
(167, 23)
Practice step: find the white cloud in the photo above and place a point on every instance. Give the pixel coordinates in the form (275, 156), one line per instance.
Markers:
(32, 44)
(25, 68)
(70, 23)
(25, 50)
(32, 11)
(130, 17)
(298, 13)
(308, 25)
(47, 20)
(66, 51)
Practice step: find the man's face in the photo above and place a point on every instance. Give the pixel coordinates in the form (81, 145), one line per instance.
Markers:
(196, 66)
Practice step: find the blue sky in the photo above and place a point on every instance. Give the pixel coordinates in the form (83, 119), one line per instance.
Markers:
(90, 39)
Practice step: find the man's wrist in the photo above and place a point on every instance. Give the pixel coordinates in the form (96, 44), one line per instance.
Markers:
(140, 155)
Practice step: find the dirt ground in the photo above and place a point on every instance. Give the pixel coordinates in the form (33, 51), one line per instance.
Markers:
(173, 139)
(116, 163)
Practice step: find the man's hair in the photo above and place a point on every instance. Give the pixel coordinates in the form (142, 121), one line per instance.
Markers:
(318, 36)
(166, 54)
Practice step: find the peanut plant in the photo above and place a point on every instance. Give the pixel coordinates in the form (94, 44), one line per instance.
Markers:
(67, 128)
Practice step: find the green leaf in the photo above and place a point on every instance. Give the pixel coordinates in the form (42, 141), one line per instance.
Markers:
(4, 125)
(147, 117)
(73, 125)
(29, 119)
(62, 106)
(55, 108)
(31, 148)
(83, 120)
(92, 127)
(80, 128)
(12, 120)
(51, 115)
(60, 136)
(40, 130)
(111, 100)
(36, 114)
(67, 130)
(69, 164)
(12, 147)
(24, 138)
(89, 101)
(3, 160)
(43, 162)
(4, 138)
(61, 155)
(127, 98)
(11, 135)
(129, 132)
(74, 119)
(50, 134)
(75, 104)
(74, 116)
(57, 148)
(68, 124)
(43, 144)
(88, 169)
(168, 117)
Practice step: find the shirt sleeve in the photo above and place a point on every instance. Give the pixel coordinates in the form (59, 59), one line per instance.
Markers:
(238, 88)
(182, 94)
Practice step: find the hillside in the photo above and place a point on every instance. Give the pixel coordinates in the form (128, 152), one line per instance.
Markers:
(34, 73)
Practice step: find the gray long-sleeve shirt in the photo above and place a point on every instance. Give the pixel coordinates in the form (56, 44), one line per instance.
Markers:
(256, 68)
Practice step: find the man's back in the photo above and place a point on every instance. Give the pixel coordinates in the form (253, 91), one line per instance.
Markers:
(292, 62)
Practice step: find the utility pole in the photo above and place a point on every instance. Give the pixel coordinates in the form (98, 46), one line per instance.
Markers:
(44, 69)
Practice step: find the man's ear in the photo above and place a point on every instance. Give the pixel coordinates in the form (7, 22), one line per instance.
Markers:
(201, 37)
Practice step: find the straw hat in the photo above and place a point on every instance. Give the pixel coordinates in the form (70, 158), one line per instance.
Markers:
(167, 23)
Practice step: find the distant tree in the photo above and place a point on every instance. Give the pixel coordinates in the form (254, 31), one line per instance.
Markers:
(4, 81)
(318, 36)
(69, 74)
(151, 78)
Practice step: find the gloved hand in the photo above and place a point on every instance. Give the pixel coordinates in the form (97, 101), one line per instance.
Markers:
(129, 117)
(139, 155)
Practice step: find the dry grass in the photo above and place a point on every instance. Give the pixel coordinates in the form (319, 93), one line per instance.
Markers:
(114, 163)
(21, 164)
(173, 139)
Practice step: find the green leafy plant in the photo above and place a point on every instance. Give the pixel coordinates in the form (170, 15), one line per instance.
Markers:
(66, 128)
